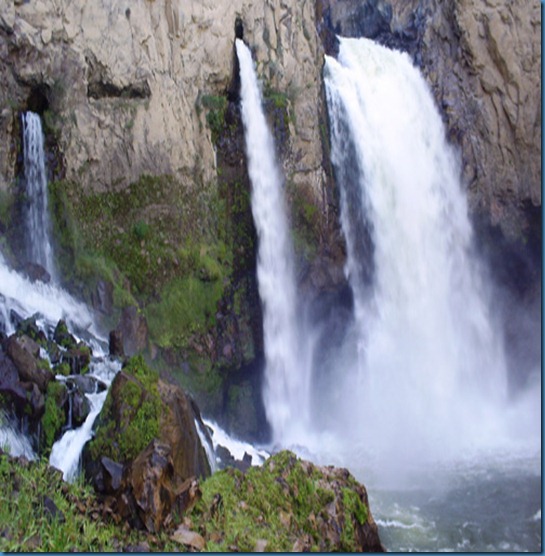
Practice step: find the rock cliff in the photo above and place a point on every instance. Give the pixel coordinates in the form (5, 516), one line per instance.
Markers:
(122, 82)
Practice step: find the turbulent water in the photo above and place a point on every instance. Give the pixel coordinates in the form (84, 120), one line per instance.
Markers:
(48, 304)
(287, 378)
(39, 249)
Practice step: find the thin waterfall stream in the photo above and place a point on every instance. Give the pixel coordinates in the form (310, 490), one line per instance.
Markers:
(39, 249)
(287, 373)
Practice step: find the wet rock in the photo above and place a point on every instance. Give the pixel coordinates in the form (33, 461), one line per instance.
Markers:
(36, 273)
(134, 331)
(116, 343)
(80, 408)
(35, 400)
(13, 393)
(24, 352)
(86, 384)
(78, 358)
(28, 327)
(62, 336)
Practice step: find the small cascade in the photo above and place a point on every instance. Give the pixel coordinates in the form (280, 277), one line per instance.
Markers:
(13, 441)
(287, 374)
(48, 304)
(39, 248)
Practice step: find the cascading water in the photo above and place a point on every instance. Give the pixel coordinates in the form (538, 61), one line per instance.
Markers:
(49, 303)
(287, 376)
(420, 391)
(39, 249)
(429, 361)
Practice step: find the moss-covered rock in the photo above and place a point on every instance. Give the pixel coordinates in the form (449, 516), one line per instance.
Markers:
(285, 505)
(54, 417)
(140, 408)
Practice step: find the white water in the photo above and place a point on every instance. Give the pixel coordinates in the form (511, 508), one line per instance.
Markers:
(66, 452)
(287, 373)
(236, 447)
(50, 303)
(12, 442)
(26, 298)
(427, 379)
(39, 249)
(418, 391)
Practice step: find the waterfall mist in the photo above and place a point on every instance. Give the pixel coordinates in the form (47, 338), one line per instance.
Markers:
(38, 225)
(287, 377)
(421, 375)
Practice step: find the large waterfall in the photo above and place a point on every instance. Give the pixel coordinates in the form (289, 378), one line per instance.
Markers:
(287, 379)
(430, 376)
(39, 249)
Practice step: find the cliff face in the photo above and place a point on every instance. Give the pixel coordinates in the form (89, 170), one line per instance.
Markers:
(122, 83)
(127, 90)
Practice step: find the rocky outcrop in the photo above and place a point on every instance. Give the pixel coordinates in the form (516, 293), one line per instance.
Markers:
(122, 86)
(287, 504)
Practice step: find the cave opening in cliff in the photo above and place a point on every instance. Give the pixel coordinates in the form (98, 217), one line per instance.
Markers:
(38, 99)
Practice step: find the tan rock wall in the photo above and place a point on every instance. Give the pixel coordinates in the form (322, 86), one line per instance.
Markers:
(176, 50)
(483, 59)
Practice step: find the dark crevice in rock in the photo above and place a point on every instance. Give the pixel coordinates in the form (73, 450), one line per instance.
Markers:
(38, 99)
(101, 86)
(239, 29)
(106, 89)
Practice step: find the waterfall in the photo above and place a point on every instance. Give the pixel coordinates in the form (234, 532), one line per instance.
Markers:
(425, 375)
(39, 249)
(287, 381)
(66, 452)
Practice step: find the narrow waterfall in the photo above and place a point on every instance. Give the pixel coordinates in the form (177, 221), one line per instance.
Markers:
(39, 249)
(426, 377)
(286, 392)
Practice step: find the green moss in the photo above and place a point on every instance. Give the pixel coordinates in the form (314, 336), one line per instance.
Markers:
(187, 307)
(62, 369)
(355, 512)
(54, 417)
(127, 426)
(278, 502)
(215, 113)
(27, 527)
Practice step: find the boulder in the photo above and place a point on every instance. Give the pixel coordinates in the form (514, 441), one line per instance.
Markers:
(140, 408)
(24, 353)
(133, 331)
(10, 388)
(178, 430)
(36, 273)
